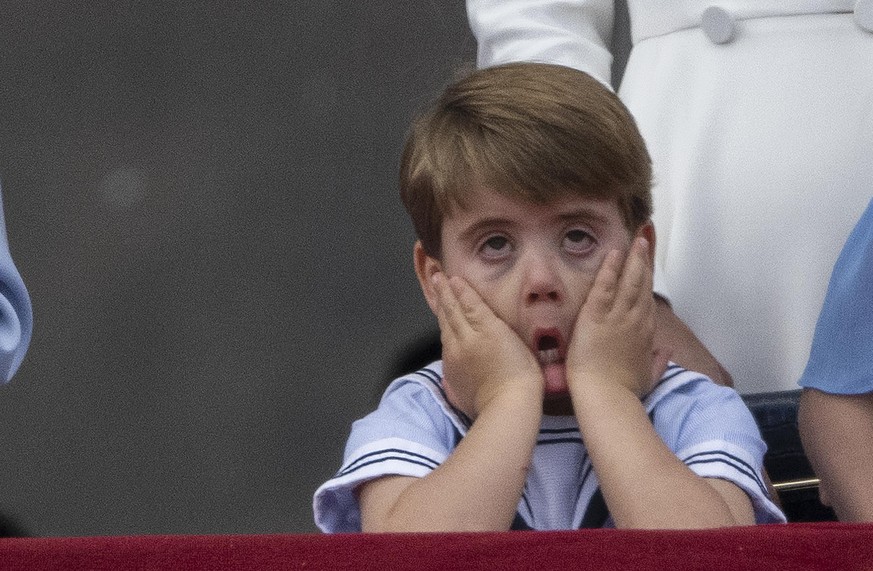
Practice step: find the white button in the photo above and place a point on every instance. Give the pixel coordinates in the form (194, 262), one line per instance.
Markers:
(864, 14)
(718, 24)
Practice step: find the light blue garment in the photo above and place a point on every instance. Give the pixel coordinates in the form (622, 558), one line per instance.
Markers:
(16, 314)
(841, 359)
(415, 429)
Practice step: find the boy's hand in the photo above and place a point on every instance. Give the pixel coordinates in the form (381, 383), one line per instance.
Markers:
(483, 358)
(613, 335)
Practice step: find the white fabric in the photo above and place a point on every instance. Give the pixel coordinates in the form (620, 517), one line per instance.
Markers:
(415, 429)
(762, 149)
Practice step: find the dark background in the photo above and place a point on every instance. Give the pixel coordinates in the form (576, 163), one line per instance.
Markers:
(201, 198)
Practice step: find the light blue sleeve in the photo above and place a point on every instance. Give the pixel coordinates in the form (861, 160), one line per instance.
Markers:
(841, 358)
(16, 314)
(711, 430)
(409, 434)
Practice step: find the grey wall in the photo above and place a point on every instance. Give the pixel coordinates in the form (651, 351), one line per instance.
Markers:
(202, 200)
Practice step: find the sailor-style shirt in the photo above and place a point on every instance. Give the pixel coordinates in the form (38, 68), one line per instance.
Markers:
(415, 428)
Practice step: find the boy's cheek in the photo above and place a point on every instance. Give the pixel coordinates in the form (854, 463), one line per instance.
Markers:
(587, 268)
(490, 288)
(501, 300)
(577, 286)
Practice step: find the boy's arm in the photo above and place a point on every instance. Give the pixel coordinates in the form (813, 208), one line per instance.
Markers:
(493, 377)
(643, 482)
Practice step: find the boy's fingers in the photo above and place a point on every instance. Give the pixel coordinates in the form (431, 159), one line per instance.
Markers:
(448, 312)
(649, 283)
(636, 276)
(475, 311)
(646, 299)
(440, 312)
(462, 308)
(602, 293)
(644, 303)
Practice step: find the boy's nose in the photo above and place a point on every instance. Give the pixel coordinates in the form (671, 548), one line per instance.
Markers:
(542, 295)
(542, 282)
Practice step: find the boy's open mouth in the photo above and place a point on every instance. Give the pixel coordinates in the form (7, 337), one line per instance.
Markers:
(548, 344)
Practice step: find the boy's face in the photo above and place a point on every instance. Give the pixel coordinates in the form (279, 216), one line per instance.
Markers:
(532, 264)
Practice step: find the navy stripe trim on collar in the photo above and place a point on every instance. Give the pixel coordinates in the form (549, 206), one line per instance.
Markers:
(395, 454)
(432, 376)
(576, 440)
(673, 370)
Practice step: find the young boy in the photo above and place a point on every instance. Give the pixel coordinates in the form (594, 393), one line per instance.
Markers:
(529, 189)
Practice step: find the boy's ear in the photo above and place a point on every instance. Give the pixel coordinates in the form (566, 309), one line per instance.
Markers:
(425, 268)
(647, 231)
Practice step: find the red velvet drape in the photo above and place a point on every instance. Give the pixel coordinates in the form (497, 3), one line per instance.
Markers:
(767, 548)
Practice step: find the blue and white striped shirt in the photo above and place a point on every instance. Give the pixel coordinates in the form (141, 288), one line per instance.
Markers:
(415, 429)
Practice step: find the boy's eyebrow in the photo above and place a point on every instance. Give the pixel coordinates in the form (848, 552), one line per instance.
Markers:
(469, 234)
(588, 214)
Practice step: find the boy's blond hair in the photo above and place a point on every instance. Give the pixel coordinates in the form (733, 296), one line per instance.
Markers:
(529, 130)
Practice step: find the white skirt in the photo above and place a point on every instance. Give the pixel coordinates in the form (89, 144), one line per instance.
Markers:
(763, 156)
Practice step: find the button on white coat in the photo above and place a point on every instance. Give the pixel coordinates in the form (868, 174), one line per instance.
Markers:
(719, 25)
(864, 14)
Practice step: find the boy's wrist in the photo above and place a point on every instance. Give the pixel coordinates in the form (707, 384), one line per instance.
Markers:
(606, 385)
(511, 395)
(599, 401)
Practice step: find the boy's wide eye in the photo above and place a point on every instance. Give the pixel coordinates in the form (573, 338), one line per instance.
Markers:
(494, 246)
(578, 241)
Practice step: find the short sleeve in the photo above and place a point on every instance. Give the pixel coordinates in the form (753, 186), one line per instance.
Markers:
(409, 434)
(842, 346)
(712, 431)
